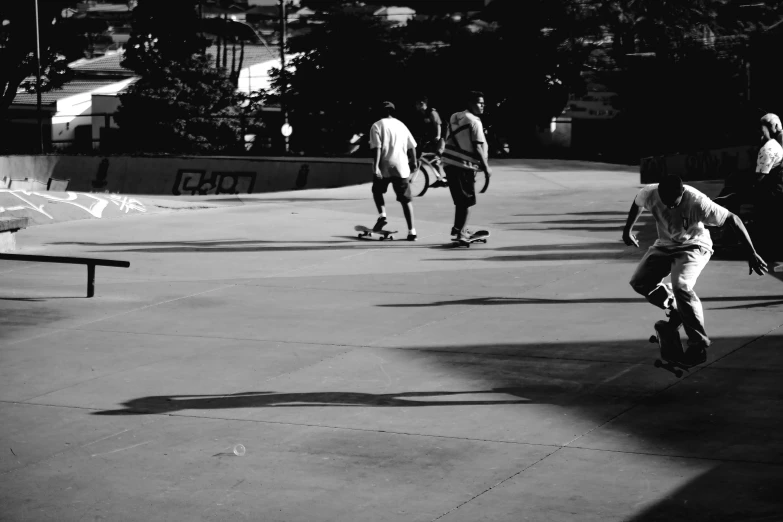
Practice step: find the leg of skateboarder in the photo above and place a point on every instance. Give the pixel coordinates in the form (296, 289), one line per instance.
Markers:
(683, 249)
(403, 191)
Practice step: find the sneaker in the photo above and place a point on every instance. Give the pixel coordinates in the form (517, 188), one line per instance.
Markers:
(438, 183)
(454, 231)
(379, 224)
(463, 236)
(412, 237)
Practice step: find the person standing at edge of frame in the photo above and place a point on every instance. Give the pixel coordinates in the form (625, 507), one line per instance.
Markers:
(465, 153)
(394, 158)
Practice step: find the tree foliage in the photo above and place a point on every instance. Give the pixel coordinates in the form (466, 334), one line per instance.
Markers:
(350, 62)
(18, 47)
(339, 71)
(182, 102)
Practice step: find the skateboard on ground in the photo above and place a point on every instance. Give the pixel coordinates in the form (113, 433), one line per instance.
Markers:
(671, 349)
(477, 237)
(368, 232)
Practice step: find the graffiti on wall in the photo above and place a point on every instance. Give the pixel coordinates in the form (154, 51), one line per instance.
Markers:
(202, 183)
(90, 203)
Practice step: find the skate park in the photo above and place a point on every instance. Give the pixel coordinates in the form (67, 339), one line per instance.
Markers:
(371, 380)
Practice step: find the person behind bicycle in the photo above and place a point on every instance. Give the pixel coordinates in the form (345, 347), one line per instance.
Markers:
(426, 126)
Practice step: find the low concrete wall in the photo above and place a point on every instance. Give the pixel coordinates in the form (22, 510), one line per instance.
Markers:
(700, 166)
(187, 175)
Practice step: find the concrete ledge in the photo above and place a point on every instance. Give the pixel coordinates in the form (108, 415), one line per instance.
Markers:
(182, 175)
(8, 228)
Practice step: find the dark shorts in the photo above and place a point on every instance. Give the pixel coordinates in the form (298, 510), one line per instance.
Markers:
(401, 187)
(462, 184)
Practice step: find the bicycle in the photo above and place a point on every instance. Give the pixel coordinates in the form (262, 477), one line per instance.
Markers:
(431, 167)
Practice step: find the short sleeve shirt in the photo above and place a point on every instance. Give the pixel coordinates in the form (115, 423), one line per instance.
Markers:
(394, 139)
(465, 130)
(684, 226)
(770, 163)
(770, 156)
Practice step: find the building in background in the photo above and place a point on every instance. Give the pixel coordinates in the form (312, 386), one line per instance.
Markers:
(81, 115)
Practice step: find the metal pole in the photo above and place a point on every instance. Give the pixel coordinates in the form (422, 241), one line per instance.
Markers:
(38, 78)
(282, 69)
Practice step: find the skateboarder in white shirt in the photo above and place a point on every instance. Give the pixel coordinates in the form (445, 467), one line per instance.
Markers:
(394, 158)
(683, 249)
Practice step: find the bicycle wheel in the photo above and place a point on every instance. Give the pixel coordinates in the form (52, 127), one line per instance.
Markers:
(420, 181)
(482, 180)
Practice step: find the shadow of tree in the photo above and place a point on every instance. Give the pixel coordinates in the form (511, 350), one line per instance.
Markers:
(262, 399)
(344, 243)
(759, 301)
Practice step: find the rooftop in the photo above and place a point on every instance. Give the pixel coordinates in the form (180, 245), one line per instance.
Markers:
(108, 64)
(72, 88)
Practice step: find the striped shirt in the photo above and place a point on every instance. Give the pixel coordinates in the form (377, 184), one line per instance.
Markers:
(465, 130)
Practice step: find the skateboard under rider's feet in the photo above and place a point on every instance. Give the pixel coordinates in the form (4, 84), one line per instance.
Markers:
(672, 353)
(477, 237)
(365, 232)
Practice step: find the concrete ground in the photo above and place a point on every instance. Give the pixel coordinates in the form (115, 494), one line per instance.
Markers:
(381, 381)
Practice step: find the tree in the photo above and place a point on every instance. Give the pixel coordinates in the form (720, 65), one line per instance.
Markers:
(18, 47)
(681, 62)
(343, 68)
(182, 102)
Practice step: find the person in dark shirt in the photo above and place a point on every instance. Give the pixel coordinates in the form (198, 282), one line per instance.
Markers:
(426, 127)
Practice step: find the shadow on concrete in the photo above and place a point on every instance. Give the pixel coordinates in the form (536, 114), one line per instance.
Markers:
(255, 200)
(172, 403)
(613, 228)
(607, 245)
(36, 299)
(344, 243)
(766, 301)
(615, 222)
(721, 421)
(590, 213)
(565, 255)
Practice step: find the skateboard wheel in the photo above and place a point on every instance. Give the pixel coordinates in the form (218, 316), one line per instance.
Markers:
(653, 339)
(390, 238)
(658, 363)
(678, 373)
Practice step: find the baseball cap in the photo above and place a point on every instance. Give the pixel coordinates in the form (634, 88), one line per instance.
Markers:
(388, 105)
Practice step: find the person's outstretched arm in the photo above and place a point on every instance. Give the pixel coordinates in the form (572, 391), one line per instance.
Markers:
(633, 215)
(755, 262)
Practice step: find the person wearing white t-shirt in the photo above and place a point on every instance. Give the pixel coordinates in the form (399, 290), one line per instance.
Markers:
(767, 192)
(768, 179)
(683, 249)
(764, 190)
(394, 158)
